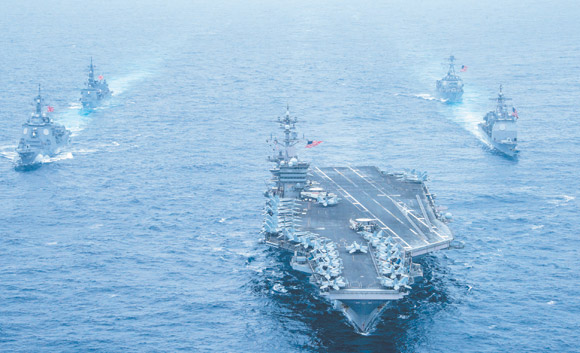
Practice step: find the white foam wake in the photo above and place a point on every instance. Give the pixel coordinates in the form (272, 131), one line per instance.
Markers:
(428, 97)
(122, 84)
(424, 96)
(59, 157)
(9, 152)
(76, 120)
(470, 121)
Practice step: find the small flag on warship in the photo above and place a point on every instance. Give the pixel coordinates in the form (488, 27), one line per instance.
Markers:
(515, 113)
(50, 109)
(463, 68)
(100, 77)
(311, 144)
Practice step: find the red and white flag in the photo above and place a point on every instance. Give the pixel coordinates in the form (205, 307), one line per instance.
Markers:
(311, 144)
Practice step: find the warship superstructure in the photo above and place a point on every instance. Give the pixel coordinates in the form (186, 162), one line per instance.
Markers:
(500, 126)
(95, 91)
(41, 136)
(355, 230)
(450, 87)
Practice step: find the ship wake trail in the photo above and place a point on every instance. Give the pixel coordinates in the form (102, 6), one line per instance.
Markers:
(73, 118)
(470, 122)
(76, 120)
(428, 97)
(122, 84)
(423, 96)
(9, 152)
(59, 157)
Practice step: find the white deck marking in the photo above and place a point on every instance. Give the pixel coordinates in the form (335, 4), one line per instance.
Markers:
(349, 196)
(372, 198)
(411, 213)
(424, 212)
(401, 209)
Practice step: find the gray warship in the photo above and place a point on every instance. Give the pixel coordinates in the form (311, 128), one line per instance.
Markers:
(450, 87)
(500, 126)
(96, 90)
(355, 230)
(41, 136)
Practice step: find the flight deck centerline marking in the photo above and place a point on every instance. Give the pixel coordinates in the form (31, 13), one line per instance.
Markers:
(396, 204)
(375, 217)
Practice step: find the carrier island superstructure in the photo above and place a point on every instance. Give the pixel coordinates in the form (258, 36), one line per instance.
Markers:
(355, 230)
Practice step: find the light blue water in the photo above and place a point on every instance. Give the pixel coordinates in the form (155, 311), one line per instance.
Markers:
(144, 235)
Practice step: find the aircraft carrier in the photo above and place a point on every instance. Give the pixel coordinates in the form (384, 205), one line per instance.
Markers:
(356, 230)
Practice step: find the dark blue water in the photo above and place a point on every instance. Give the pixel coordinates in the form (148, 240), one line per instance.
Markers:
(144, 236)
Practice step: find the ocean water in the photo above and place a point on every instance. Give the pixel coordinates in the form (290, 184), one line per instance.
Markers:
(144, 234)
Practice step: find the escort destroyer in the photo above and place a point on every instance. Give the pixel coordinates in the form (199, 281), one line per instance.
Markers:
(95, 91)
(41, 136)
(500, 126)
(355, 230)
(450, 87)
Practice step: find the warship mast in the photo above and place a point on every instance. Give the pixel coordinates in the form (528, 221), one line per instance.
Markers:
(91, 73)
(38, 103)
(38, 115)
(290, 174)
(501, 108)
(451, 71)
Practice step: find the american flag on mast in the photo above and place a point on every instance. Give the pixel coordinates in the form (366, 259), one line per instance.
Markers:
(100, 77)
(311, 144)
(514, 113)
(50, 109)
(463, 68)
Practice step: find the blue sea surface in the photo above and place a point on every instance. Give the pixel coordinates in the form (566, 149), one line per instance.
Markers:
(144, 234)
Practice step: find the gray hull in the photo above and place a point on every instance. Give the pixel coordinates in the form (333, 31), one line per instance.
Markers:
(450, 97)
(363, 314)
(509, 150)
(90, 102)
(31, 157)
(28, 158)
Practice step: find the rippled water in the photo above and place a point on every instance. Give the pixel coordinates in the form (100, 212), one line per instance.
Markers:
(144, 236)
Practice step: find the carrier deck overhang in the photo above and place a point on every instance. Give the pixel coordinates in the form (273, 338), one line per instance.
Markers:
(403, 208)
